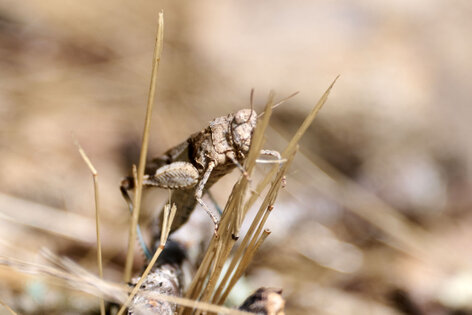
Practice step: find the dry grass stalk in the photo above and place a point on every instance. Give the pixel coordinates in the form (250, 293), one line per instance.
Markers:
(205, 307)
(169, 214)
(245, 252)
(144, 148)
(70, 275)
(291, 146)
(9, 309)
(68, 225)
(252, 234)
(244, 263)
(97, 218)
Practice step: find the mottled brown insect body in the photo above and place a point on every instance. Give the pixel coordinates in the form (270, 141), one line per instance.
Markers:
(193, 166)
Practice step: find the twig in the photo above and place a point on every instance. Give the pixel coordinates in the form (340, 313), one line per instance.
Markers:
(97, 218)
(144, 148)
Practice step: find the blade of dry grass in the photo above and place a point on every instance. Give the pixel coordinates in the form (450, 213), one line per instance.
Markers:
(255, 228)
(75, 277)
(291, 146)
(97, 218)
(144, 147)
(8, 308)
(72, 276)
(206, 307)
(67, 224)
(307, 122)
(244, 263)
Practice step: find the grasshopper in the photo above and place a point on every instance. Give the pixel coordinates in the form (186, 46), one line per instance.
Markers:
(192, 167)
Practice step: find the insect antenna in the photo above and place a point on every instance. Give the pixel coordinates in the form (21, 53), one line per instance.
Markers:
(251, 99)
(280, 102)
(251, 102)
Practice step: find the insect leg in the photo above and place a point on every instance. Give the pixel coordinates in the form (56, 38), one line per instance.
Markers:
(199, 192)
(127, 184)
(213, 200)
(273, 153)
(278, 160)
(177, 175)
(233, 159)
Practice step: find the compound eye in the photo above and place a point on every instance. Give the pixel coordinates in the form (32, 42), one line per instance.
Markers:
(242, 116)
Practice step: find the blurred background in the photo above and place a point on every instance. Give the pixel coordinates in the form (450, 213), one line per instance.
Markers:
(375, 215)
